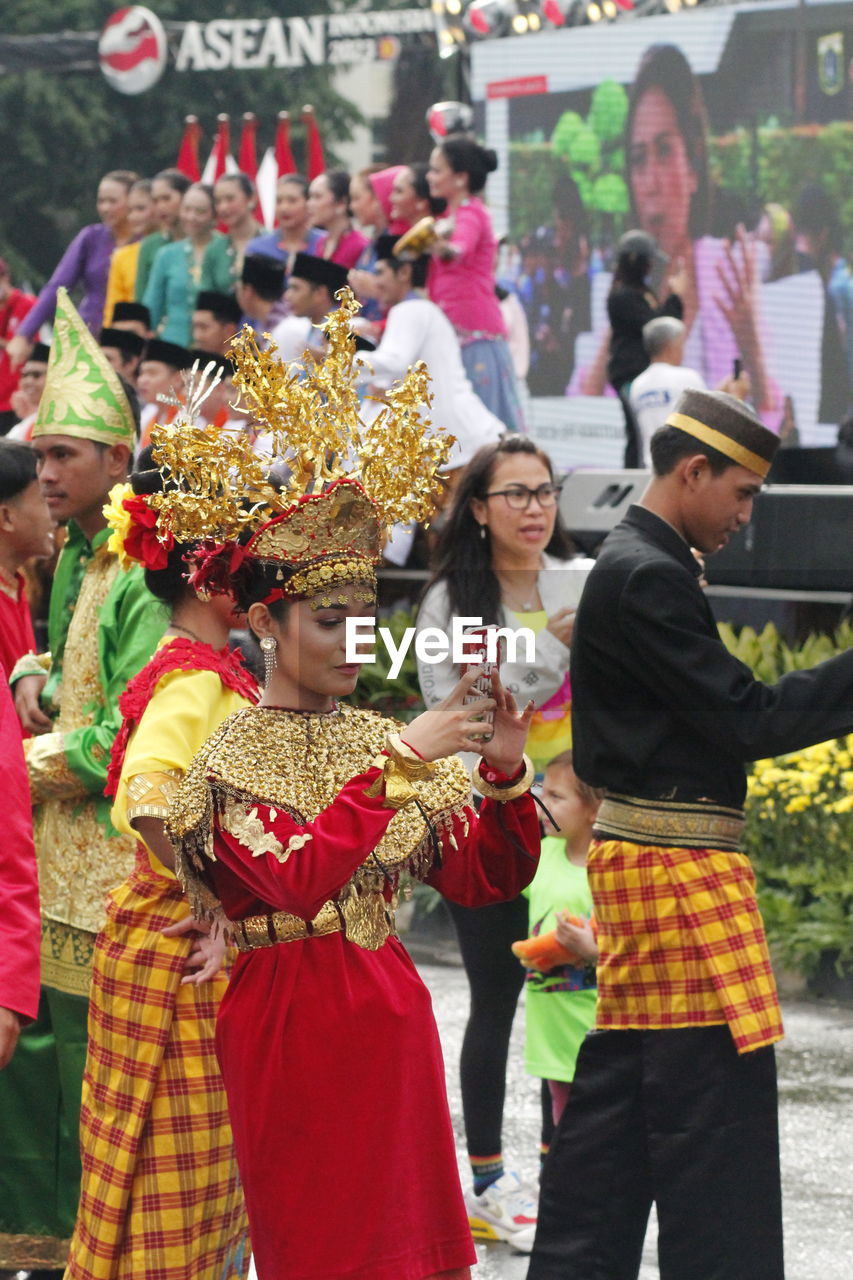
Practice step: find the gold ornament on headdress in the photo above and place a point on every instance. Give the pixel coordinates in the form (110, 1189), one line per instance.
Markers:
(313, 419)
(346, 479)
(215, 479)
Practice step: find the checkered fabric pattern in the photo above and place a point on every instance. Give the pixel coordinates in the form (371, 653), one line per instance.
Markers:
(160, 1194)
(681, 942)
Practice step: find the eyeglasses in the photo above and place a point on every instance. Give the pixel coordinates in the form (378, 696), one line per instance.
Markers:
(519, 497)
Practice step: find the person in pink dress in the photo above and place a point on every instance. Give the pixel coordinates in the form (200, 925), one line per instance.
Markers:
(462, 277)
(329, 210)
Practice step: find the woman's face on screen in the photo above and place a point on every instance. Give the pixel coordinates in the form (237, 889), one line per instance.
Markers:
(662, 177)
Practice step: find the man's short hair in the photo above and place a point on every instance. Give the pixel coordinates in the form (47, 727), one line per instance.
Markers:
(668, 446)
(659, 333)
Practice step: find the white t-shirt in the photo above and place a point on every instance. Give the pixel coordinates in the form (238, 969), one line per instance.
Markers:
(292, 336)
(417, 329)
(654, 394)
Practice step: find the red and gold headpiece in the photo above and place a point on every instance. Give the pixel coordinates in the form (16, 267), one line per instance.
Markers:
(345, 481)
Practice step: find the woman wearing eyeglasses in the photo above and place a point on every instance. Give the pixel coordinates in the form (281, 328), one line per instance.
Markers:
(503, 555)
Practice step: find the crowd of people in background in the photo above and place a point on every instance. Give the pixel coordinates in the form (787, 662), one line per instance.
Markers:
(174, 268)
(140, 675)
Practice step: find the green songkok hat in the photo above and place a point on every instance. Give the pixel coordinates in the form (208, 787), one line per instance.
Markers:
(82, 395)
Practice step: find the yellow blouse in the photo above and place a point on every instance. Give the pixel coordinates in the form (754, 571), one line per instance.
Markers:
(121, 282)
(187, 707)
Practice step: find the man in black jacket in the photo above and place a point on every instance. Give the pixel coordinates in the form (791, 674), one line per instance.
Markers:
(674, 1100)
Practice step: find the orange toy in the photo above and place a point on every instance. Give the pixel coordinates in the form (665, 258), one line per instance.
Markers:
(543, 952)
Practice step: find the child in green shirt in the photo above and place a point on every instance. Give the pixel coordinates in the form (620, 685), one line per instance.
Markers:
(560, 1003)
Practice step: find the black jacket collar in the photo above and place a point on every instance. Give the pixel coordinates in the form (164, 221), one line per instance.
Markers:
(662, 534)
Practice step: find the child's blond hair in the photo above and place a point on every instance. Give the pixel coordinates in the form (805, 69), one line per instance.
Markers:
(592, 796)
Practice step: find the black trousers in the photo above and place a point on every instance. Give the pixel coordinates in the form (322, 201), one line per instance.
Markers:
(495, 977)
(677, 1118)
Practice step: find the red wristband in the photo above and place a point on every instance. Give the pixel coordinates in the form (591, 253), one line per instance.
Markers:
(497, 777)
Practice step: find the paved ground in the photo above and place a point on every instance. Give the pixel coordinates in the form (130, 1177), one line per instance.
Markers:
(816, 1118)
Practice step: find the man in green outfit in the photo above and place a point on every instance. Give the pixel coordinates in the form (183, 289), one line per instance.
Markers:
(103, 626)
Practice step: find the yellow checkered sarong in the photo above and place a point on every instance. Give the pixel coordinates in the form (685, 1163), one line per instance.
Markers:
(681, 942)
(160, 1194)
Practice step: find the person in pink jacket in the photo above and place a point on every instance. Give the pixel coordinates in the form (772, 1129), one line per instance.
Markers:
(462, 277)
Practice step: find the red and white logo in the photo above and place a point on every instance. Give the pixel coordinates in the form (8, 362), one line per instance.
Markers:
(133, 49)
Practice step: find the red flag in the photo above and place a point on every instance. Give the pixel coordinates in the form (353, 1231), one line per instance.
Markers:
(247, 160)
(187, 160)
(217, 161)
(283, 154)
(315, 164)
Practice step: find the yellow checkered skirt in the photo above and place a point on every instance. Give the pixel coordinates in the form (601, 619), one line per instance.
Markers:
(681, 942)
(160, 1194)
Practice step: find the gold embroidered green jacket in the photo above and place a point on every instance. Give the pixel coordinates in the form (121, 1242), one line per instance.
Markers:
(103, 627)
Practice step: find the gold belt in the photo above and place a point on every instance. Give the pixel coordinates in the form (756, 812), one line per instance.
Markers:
(697, 824)
(365, 919)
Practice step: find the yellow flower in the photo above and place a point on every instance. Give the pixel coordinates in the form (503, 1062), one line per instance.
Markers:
(798, 804)
(118, 520)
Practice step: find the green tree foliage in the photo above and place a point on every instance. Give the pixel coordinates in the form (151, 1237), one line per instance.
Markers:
(60, 133)
(789, 159)
(592, 152)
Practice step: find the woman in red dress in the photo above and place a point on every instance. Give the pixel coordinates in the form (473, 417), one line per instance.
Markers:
(299, 816)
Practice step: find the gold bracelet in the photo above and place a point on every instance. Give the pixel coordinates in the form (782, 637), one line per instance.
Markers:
(506, 790)
(400, 768)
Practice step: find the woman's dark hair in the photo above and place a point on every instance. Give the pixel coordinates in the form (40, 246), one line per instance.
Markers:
(168, 585)
(463, 557)
(142, 184)
(125, 177)
(816, 212)
(206, 188)
(242, 181)
(631, 271)
(17, 468)
(256, 580)
(419, 172)
(338, 180)
(177, 181)
(293, 180)
(665, 67)
(464, 155)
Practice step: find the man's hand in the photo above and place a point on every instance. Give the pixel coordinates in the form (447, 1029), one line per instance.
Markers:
(27, 691)
(10, 1029)
(18, 349)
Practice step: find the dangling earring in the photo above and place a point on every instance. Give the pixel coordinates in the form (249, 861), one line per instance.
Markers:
(269, 644)
(483, 532)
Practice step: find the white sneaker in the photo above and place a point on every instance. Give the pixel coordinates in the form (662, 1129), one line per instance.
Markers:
(505, 1211)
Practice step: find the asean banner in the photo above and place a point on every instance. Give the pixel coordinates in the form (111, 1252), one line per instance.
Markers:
(133, 44)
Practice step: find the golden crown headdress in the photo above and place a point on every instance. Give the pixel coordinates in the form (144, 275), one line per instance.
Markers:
(343, 481)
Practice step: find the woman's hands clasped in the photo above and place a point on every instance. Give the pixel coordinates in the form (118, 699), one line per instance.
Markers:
(455, 725)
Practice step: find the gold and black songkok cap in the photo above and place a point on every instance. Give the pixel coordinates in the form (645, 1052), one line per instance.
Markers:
(724, 423)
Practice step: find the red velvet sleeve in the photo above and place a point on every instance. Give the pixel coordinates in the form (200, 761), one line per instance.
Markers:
(301, 867)
(496, 860)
